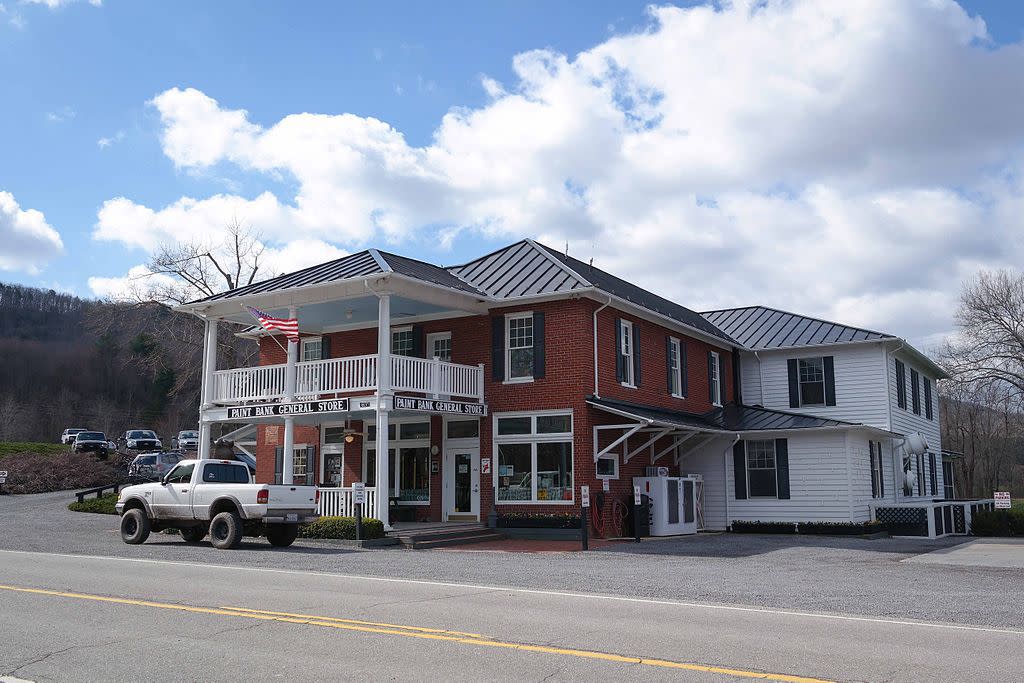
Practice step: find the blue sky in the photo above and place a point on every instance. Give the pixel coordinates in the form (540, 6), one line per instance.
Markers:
(77, 129)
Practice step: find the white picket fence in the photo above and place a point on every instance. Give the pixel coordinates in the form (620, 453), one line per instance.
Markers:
(338, 502)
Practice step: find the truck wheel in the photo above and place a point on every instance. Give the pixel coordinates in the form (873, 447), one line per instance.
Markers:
(226, 530)
(282, 535)
(192, 534)
(134, 526)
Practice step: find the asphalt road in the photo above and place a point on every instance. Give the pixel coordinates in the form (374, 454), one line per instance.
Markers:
(70, 618)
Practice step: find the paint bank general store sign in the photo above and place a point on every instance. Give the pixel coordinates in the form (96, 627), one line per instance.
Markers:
(285, 409)
(431, 405)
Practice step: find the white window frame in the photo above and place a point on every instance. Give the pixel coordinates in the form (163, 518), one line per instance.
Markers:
(396, 445)
(509, 317)
(462, 440)
(308, 341)
(533, 438)
(614, 458)
(626, 351)
(800, 383)
(438, 336)
(716, 364)
(401, 330)
(774, 468)
(677, 370)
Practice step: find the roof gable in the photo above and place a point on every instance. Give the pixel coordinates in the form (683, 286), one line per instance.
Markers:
(518, 270)
(761, 327)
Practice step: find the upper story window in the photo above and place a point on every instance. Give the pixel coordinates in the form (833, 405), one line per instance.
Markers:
(901, 384)
(626, 351)
(519, 346)
(915, 391)
(812, 381)
(312, 348)
(714, 378)
(675, 368)
(439, 345)
(402, 342)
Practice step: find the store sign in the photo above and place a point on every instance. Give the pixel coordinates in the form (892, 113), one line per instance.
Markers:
(636, 495)
(1002, 499)
(431, 405)
(333, 405)
(585, 496)
(485, 465)
(358, 493)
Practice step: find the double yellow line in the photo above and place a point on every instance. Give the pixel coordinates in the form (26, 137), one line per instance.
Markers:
(421, 632)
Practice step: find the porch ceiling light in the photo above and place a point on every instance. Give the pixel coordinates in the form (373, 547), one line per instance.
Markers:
(349, 438)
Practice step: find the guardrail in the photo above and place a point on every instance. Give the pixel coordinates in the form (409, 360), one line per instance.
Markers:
(98, 490)
(435, 378)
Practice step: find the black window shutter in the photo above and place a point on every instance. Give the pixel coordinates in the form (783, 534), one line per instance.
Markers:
(538, 345)
(498, 348)
(419, 342)
(874, 474)
(312, 470)
(325, 347)
(620, 369)
(915, 391)
(881, 471)
(901, 385)
(737, 380)
(668, 363)
(636, 354)
(928, 398)
(278, 464)
(739, 468)
(830, 380)
(782, 468)
(682, 367)
(711, 377)
(933, 475)
(794, 384)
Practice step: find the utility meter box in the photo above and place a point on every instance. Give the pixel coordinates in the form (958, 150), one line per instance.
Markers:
(673, 504)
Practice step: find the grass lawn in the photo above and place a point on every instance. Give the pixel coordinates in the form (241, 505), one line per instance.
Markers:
(103, 505)
(9, 447)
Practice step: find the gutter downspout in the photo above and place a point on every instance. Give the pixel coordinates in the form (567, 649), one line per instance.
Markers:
(725, 479)
(599, 309)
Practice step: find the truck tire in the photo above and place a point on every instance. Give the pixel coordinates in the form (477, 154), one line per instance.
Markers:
(226, 530)
(192, 534)
(135, 526)
(282, 535)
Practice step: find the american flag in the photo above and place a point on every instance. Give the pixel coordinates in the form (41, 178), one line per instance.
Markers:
(290, 326)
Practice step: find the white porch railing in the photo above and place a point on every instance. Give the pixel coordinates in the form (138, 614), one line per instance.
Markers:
(350, 374)
(338, 502)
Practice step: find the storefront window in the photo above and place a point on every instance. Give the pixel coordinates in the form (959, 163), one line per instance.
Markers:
(535, 458)
(334, 435)
(463, 429)
(371, 433)
(414, 483)
(409, 463)
(414, 430)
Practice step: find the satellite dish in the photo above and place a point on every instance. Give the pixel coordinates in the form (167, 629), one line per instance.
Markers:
(916, 443)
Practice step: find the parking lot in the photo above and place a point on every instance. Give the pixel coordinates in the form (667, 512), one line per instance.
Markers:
(853, 576)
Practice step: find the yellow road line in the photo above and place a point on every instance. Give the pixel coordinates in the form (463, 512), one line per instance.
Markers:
(422, 633)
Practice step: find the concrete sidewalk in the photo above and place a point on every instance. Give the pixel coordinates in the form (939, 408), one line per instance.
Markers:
(1007, 553)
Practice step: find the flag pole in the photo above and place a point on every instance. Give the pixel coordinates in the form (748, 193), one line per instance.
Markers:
(269, 333)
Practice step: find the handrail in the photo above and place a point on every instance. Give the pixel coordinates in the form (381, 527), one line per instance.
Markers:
(98, 490)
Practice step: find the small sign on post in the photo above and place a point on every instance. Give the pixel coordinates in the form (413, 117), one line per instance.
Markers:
(585, 496)
(636, 513)
(1002, 499)
(485, 465)
(358, 499)
(584, 522)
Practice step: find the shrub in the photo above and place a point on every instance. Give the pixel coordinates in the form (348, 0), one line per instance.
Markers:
(103, 505)
(840, 528)
(29, 472)
(342, 527)
(758, 527)
(991, 523)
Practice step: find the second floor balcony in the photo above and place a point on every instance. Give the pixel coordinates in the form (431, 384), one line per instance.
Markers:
(349, 375)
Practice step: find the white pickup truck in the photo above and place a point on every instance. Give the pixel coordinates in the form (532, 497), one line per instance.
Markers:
(219, 498)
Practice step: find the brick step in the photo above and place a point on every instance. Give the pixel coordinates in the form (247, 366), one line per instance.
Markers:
(437, 533)
(466, 539)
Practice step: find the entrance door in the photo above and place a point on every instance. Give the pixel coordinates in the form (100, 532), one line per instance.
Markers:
(462, 483)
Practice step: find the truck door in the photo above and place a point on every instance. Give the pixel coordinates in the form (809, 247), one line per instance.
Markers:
(174, 499)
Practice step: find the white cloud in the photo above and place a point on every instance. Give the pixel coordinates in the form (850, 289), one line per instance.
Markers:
(62, 114)
(849, 159)
(56, 4)
(132, 286)
(105, 142)
(29, 242)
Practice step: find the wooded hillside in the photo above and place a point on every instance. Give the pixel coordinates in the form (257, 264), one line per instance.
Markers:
(71, 362)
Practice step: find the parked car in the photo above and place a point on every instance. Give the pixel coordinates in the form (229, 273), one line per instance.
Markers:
(219, 498)
(153, 466)
(187, 440)
(142, 440)
(91, 442)
(67, 437)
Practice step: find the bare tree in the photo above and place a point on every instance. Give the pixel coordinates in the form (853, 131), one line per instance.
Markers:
(184, 271)
(990, 343)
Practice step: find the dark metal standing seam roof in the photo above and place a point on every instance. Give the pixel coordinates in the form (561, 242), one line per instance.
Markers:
(760, 327)
(641, 297)
(428, 272)
(359, 264)
(730, 418)
(521, 269)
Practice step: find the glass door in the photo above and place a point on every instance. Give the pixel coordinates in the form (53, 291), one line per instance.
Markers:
(462, 481)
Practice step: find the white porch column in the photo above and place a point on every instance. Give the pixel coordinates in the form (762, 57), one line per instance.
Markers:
(207, 390)
(383, 395)
(288, 460)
